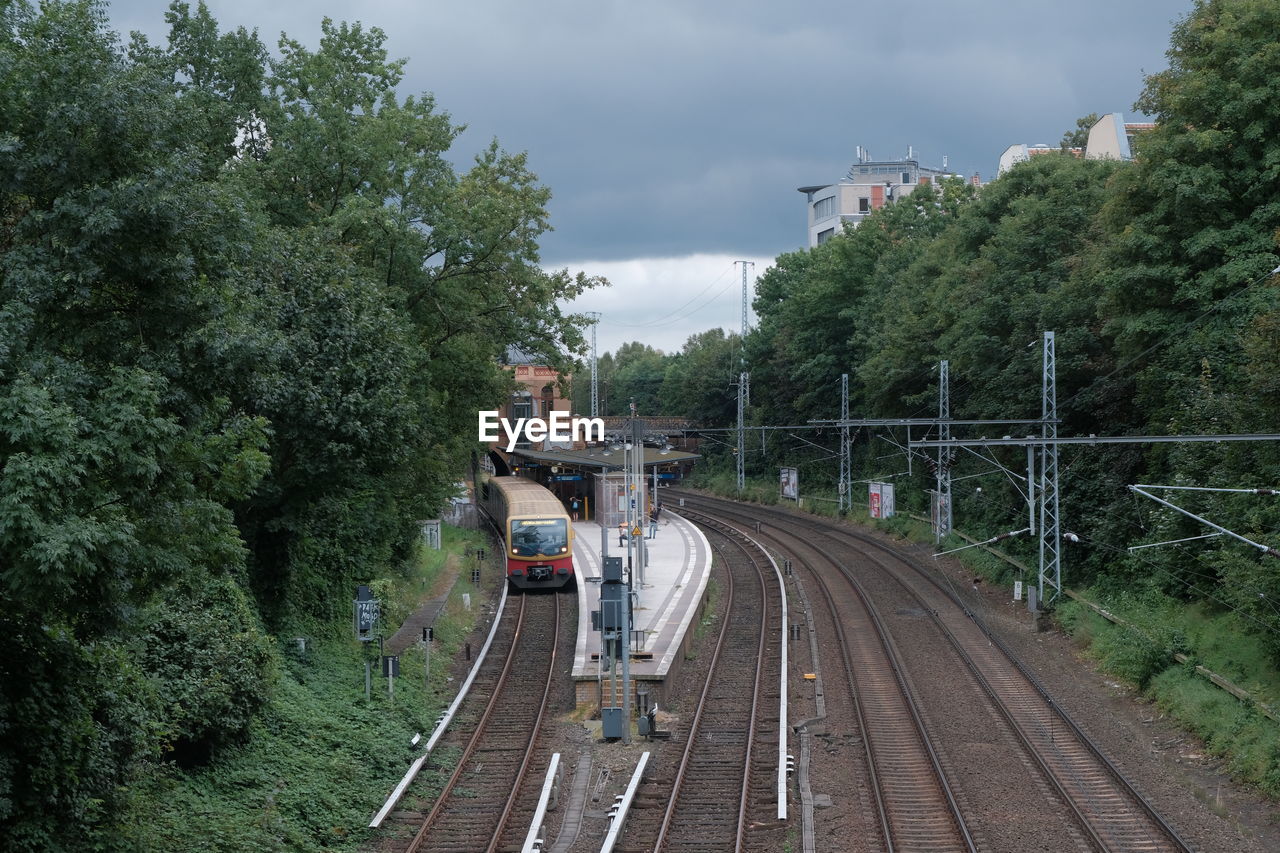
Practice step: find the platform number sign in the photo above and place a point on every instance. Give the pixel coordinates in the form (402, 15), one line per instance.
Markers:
(365, 614)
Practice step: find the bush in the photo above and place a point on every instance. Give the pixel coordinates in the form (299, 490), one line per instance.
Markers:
(211, 664)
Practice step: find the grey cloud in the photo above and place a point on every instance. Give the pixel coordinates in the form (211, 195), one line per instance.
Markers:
(670, 128)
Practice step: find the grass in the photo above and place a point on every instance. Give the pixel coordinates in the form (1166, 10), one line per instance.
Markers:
(1248, 741)
(1230, 728)
(321, 760)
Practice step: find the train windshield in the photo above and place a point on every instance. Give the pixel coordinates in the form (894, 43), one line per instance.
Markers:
(539, 537)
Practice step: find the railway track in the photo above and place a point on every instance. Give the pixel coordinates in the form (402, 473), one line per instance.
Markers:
(1110, 812)
(915, 807)
(512, 692)
(719, 787)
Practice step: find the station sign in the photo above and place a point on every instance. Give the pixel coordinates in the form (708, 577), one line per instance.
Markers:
(364, 616)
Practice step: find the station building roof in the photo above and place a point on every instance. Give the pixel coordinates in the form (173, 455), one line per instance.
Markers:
(596, 457)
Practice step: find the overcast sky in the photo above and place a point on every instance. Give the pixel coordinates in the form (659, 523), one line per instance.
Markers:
(674, 133)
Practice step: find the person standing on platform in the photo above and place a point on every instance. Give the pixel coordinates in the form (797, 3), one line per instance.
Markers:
(573, 507)
(622, 534)
(653, 521)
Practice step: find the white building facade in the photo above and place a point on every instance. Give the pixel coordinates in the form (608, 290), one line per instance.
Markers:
(1110, 138)
(868, 186)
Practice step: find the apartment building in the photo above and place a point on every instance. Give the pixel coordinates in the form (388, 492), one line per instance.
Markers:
(868, 186)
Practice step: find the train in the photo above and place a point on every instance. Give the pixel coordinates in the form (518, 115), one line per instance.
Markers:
(536, 532)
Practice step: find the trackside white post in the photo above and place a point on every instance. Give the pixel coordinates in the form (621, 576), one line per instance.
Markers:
(535, 826)
(782, 699)
(624, 804)
(444, 721)
(782, 687)
(782, 691)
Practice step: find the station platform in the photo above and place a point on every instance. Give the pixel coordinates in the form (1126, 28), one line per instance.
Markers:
(671, 596)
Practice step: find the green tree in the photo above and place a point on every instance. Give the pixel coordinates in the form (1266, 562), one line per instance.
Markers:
(1188, 301)
(638, 373)
(242, 303)
(1196, 220)
(698, 383)
(370, 379)
(118, 461)
(819, 309)
(1079, 137)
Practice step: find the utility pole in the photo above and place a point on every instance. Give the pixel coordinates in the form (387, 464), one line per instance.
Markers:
(595, 378)
(1050, 516)
(846, 498)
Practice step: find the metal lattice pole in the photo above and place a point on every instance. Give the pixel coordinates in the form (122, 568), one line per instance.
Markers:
(1050, 514)
(742, 383)
(943, 475)
(846, 499)
(743, 379)
(595, 375)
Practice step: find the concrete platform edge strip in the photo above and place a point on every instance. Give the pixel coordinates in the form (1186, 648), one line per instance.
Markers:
(416, 766)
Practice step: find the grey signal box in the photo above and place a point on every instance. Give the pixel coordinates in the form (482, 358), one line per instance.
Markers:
(615, 607)
(611, 723)
(612, 571)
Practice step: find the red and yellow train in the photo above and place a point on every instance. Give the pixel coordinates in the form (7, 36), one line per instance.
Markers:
(536, 532)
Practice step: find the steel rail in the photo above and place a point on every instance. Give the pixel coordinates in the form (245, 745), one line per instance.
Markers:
(696, 726)
(783, 621)
(445, 719)
(1117, 776)
(876, 788)
(473, 743)
(891, 837)
(697, 719)
(527, 759)
(1122, 781)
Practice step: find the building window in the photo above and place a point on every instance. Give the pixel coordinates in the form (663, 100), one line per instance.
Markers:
(864, 205)
(824, 207)
(824, 236)
(522, 407)
(906, 178)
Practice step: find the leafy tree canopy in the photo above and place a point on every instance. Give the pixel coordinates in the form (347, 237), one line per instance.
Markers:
(247, 308)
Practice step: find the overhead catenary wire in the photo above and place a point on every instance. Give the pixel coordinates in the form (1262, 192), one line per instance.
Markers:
(1210, 575)
(670, 317)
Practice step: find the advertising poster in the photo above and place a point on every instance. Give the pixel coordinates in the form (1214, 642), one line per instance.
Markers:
(789, 482)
